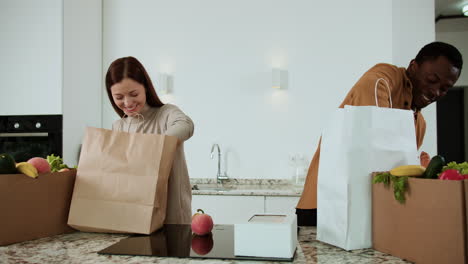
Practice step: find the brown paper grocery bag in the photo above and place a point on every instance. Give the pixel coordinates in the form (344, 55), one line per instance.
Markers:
(121, 182)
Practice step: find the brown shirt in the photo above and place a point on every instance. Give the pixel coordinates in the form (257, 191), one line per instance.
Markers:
(168, 120)
(363, 93)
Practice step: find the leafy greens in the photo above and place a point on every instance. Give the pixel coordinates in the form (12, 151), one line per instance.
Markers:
(461, 167)
(56, 163)
(400, 184)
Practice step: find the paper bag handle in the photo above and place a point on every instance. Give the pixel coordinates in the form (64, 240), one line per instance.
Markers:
(129, 125)
(388, 89)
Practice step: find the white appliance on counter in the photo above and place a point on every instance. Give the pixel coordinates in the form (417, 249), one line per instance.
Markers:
(266, 235)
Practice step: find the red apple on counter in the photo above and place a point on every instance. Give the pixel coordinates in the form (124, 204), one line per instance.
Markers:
(201, 223)
(202, 245)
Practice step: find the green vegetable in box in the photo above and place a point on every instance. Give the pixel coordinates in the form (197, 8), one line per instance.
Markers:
(7, 164)
(399, 183)
(434, 167)
(56, 163)
(461, 167)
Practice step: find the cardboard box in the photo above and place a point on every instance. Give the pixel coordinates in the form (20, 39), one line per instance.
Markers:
(34, 208)
(430, 227)
(266, 236)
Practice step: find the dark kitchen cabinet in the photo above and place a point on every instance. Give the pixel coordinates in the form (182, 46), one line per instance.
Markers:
(451, 122)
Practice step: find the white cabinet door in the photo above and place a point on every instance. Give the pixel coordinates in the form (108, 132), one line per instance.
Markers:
(225, 209)
(281, 204)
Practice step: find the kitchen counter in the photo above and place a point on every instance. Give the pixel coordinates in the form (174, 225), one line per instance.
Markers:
(245, 187)
(81, 247)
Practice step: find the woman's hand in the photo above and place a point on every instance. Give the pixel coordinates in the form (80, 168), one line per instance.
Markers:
(424, 158)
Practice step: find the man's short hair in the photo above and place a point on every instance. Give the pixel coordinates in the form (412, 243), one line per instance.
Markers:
(435, 49)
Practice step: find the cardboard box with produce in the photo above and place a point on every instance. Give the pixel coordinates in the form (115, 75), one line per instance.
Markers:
(34, 198)
(420, 214)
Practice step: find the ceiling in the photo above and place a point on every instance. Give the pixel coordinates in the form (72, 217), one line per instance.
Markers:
(449, 7)
(449, 16)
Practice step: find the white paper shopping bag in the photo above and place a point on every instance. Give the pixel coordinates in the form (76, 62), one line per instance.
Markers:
(358, 141)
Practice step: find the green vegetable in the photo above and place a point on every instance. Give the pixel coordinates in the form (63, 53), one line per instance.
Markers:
(400, 184)
(56, 163)
(7, 164)
(461, 167)
(434, 167)
(382, 177)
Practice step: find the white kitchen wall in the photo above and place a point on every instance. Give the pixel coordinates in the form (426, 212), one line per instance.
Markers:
(414, 27)
(31, 57)
(82, 76)
(220, 55)
(455, 32)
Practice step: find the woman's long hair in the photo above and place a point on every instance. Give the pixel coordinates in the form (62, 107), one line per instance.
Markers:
(130, 67)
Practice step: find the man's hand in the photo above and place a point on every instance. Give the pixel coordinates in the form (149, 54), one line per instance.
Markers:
(424, 159)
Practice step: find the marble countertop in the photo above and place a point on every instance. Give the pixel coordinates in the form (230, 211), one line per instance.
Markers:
(81, 247)
(245, 187)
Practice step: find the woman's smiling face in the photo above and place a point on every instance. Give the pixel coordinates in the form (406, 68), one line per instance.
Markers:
(129, 96)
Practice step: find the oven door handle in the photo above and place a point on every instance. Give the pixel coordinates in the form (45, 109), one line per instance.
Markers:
(24, 134)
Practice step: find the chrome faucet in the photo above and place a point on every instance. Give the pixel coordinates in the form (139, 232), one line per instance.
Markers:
(219, 177)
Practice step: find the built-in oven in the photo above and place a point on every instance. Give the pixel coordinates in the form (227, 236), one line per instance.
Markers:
(27, 136)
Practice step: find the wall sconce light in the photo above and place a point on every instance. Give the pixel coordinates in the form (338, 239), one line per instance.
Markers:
(164, 84)
(279, 79)
(465, 10)
(276, 79)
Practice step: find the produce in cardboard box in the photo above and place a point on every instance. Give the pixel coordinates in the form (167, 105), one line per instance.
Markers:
(56, 163)
(398, 178)
(461, 167)
(408, 170)
(41, 164)
(27, 169)
(399, 183)
(454, 171)
(435, 167)
(7, 164)
(451, 174)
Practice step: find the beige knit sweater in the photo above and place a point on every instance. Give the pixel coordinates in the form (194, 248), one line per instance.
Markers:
(168, 120)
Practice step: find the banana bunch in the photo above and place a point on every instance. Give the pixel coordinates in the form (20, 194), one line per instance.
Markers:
(28, 169)
(408, 170)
